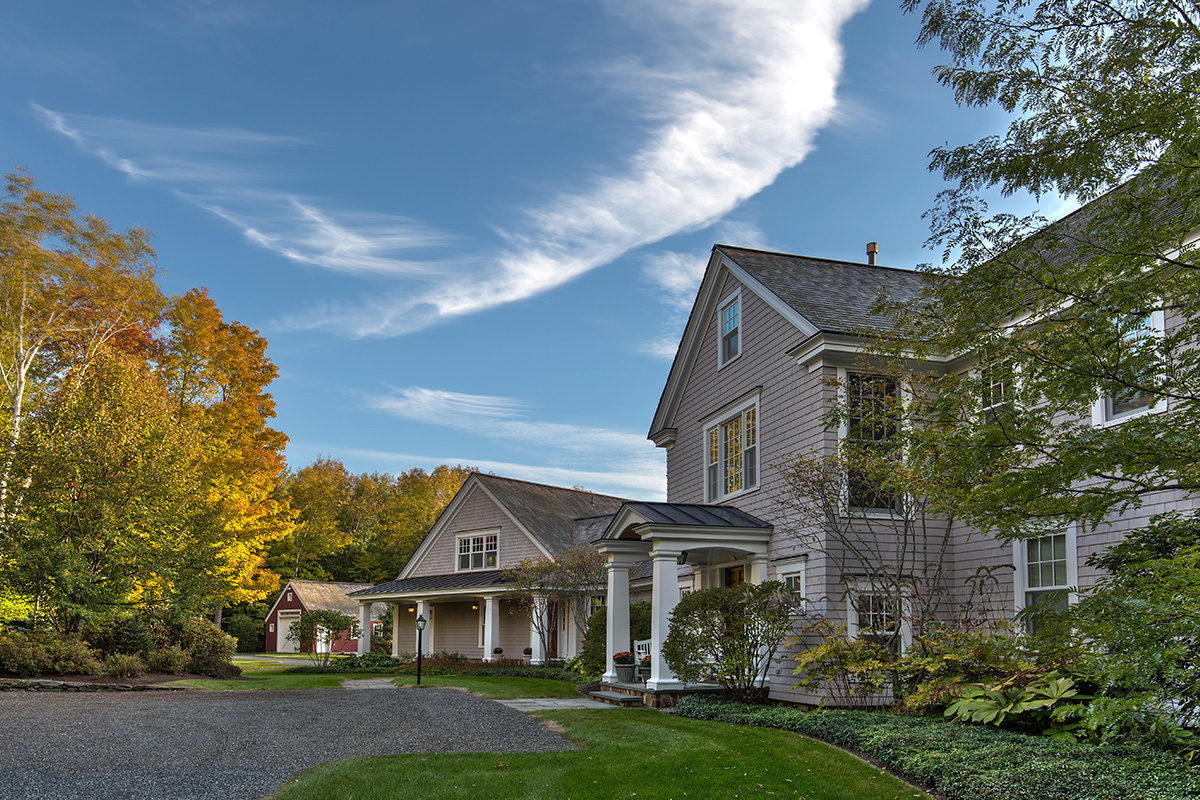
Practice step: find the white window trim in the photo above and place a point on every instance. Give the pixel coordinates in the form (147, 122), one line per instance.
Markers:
(863, 586)
(716, 421)
(1021, 573)
(474, 535)
(793, 567)
(733, 297)
(1100, 414)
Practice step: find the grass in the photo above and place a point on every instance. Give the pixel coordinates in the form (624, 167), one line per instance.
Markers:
(496, 688)
(270, 675)
(623, 753)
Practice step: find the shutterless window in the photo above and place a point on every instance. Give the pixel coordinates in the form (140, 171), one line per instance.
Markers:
(732, 455)
(1046, 571)
(1136, 336)
(872, 406)
(997, 380)
(730, 329)
(477, 552)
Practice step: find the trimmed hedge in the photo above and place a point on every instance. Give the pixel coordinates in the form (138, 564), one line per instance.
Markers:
(549, 673)
(969, 762)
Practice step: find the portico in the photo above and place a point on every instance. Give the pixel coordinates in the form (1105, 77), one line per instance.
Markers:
(673, 537)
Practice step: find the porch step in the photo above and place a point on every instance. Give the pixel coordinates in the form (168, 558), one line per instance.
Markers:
(617, 698)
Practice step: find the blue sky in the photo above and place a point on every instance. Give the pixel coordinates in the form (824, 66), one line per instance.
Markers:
(471, 231)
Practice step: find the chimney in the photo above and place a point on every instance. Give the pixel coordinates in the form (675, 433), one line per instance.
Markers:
(872, 251)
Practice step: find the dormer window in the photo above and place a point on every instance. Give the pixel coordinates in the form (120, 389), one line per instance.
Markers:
(731, 329)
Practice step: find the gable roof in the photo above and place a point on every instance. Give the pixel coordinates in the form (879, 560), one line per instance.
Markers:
(327, 595)
(546, 514)
(835, 296)
(816, 295)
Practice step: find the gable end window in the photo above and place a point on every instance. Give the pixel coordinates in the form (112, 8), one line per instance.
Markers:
(731, 455)
(477, 552)
(730, 320)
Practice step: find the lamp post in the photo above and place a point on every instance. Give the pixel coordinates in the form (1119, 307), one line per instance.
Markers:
(421, 623)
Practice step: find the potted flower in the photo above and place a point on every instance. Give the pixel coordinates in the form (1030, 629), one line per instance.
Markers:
(644, 669)
(498, 651)
(623, 661)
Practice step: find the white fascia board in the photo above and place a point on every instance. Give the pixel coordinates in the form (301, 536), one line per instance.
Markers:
(840, 349)
(624, 517)
(434, 594)
(704, 537)
(545, 551)
(443, 521)
(282, 592)
(702, 311)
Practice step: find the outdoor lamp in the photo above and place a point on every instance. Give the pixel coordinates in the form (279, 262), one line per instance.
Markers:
(421, 623)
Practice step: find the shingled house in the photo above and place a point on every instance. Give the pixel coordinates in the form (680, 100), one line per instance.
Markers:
(299, 596)
(455, 579)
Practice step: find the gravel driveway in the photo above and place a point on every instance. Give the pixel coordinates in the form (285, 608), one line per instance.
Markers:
(229, 745)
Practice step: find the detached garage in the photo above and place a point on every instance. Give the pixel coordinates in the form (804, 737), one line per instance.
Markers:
(300, 596)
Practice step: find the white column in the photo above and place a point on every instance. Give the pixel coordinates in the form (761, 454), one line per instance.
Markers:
(397, 610)
(491, 627)
(569, 641)
(540, 607)
(617, 619)
(427, 636)
(364, 622)
(665, 598)
(757, 573)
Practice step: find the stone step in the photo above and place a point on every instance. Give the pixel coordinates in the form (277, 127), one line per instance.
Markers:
(617, 698)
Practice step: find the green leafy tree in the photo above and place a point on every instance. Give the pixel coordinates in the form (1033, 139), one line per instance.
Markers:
(730, 634)
(569, 580)
(69, 286)
(107, 516)
(317, 631)
(1106, 104)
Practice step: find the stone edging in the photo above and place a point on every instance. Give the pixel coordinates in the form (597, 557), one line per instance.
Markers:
(41, 685)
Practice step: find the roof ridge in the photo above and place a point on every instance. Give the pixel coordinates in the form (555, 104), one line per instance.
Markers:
(548, 486)
(843, 262)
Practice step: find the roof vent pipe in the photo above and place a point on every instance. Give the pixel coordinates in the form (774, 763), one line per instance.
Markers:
(872, 251)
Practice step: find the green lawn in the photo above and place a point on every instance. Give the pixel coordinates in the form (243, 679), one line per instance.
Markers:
(270, 675)
(624, 753)
(497, 688)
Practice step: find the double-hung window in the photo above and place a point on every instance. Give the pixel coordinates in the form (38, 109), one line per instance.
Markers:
(876, 615)
(730, 321)
(1135, 365)
(872, 415)
(998, 383)
(476, 552)
(731, 454)
(1047, 570)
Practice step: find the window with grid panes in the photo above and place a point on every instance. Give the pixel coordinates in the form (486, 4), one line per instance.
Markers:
(731, 329)
(1046, 578)
(872, 417)
(732, 455)
(997, 379)
(477, 552)
(1136, 334)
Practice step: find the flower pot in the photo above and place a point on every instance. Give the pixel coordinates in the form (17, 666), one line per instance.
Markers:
(625, 672)
(643, 673)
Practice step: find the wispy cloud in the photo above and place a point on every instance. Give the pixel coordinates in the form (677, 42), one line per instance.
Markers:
(569, 450)
(726, 114)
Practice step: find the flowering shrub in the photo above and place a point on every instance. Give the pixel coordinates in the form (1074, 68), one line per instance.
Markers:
(645, 662)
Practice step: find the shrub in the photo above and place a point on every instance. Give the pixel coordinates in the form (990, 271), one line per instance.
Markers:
(247, 632)
(729, 634)
(549, 673)
(594, 658)
(124, 665)
(167, 659)
(375, 660)
(971, 762)
(24, 655)
(135, 637)
(70, 656)
(212, 666)
(201, 637)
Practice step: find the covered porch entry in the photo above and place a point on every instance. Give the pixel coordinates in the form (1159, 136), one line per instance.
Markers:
(717, 545)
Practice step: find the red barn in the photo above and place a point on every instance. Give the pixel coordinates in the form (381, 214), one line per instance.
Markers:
(299, 596)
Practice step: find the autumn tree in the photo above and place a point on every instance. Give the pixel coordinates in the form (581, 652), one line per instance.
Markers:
(1084, 329)
(569, 579)
(217, 373)
(69, 286)
(110, 497)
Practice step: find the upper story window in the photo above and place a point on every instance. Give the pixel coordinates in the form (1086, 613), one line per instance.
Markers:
(872, 425)
(1136, 336)
(731, 454)
(998, 383)
(477, 552)
(731, 329)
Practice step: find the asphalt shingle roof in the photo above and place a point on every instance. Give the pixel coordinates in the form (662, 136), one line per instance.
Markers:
(549, 512)
(330, 595)
(836, 296)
